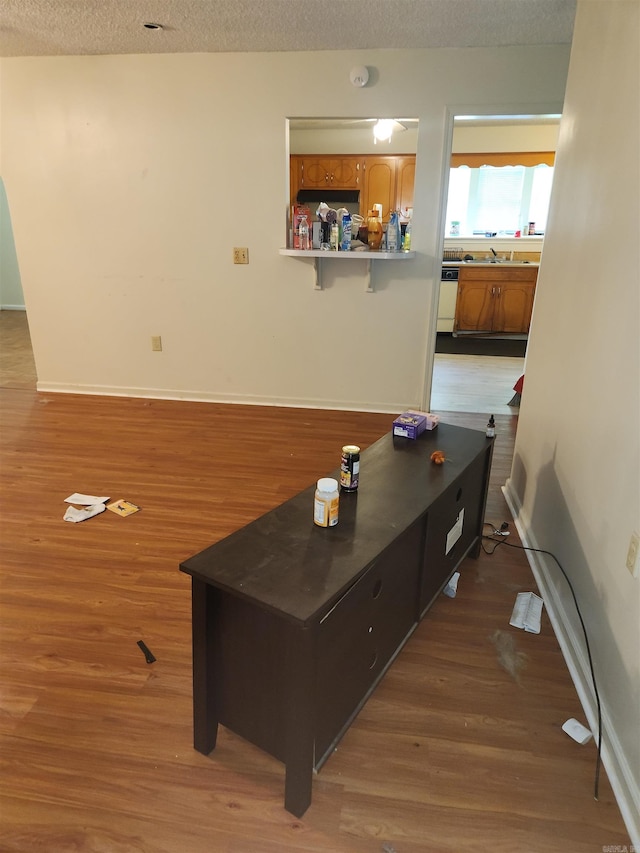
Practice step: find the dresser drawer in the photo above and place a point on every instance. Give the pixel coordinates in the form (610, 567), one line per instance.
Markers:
(360, 635)
(453, 525)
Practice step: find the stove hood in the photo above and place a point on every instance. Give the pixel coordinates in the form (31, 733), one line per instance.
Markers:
(334, 198)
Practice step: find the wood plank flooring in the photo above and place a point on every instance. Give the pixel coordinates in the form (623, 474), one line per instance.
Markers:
(459, 749)
(471, 383)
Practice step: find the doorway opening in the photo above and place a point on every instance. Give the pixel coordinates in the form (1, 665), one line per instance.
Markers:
(17, 366)
(497, 189)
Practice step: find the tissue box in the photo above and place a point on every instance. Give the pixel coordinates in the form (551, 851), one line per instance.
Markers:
(412, 423)
(432, 420)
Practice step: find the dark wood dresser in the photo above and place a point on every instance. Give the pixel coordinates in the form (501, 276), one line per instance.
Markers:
(294, 625)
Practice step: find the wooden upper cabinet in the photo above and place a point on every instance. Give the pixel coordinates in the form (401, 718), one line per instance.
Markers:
(346, 173)
(388, 181)
(406, 177)
(379, 185)
(343, 173)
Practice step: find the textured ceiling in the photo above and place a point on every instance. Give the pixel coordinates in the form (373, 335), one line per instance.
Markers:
(75, 27)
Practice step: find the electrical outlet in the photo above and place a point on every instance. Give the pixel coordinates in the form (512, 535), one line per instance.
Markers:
(241, 256)
(632, 554)
(156, 343)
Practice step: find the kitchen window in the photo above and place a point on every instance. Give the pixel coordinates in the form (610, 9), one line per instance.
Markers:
(498, 199)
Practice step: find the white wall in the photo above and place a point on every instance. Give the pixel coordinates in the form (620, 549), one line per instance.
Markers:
(510, 137)
(576, 471)
(336, 141)
(129, 180)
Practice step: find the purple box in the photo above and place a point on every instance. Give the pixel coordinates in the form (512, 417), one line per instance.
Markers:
(409, 424)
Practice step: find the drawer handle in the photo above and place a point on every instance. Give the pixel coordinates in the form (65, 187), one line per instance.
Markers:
(374, 660)
(377, 589)
(459, 495)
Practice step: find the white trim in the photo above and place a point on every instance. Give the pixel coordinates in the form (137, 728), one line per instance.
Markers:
(13, 308)
(233, 399)
(624, 787)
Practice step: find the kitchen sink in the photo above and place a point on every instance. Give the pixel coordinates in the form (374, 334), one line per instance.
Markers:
(494, 261)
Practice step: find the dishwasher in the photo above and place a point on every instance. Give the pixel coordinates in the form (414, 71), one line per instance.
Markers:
(447, 301)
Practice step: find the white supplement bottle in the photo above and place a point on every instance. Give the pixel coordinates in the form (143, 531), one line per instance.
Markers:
(325, 504)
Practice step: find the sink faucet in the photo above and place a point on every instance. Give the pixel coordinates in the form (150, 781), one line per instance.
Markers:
(495, 254)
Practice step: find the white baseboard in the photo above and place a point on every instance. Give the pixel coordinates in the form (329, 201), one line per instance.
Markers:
(232, 399)
(12, 308)
(624, 786)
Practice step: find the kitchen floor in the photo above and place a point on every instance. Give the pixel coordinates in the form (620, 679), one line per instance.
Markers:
(461, 383)
(471, 383)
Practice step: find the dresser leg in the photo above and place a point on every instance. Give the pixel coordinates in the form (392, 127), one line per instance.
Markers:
(299, 758)
(205, 716)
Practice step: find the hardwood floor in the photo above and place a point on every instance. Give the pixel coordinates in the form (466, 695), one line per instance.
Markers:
(470, 383)
(459, 749)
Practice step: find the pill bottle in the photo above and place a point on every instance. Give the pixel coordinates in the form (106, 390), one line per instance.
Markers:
(325, 503)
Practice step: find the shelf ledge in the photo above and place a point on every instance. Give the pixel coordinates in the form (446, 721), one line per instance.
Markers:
(317, 255)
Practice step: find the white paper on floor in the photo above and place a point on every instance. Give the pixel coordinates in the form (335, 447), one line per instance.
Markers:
(527, 612)
(85, 500)
(452, 587)
(75, 515)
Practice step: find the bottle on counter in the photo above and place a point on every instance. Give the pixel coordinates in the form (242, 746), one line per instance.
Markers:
(350, 468)
(491, 427)
(406, 243)
(345, 240)
(303, 234)
(374, 230)
(393, 232)
(334, 237)
(326, 502)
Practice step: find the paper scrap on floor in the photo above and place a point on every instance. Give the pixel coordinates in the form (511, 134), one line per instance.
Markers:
(76, 515)
(85, 500)
(123, 508)
(527, 612)
(452, 587)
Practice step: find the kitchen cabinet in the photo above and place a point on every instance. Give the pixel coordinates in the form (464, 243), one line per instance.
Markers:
(405, 180)
(336, 173)
(388, 181)
(495, 299)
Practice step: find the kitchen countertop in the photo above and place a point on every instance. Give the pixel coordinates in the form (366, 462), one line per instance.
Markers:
(480, 263)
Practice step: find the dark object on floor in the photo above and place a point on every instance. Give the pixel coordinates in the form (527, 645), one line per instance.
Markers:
(145, 651)
(467, 345)
(515, 400)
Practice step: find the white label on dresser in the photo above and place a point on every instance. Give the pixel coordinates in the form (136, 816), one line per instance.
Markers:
(456, 532)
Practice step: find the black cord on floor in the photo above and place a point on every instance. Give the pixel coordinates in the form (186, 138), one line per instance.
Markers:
(502, 541)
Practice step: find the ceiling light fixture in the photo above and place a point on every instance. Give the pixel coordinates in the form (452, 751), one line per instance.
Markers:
(384, 128)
